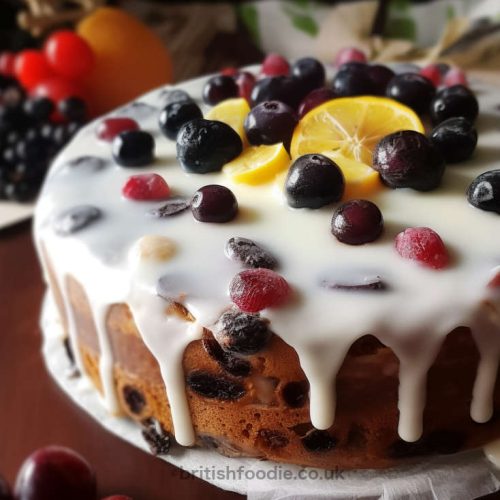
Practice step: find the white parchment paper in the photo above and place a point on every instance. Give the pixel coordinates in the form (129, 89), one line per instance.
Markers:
(461, 477)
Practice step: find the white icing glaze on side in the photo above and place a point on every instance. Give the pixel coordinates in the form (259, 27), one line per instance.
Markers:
(413, 317)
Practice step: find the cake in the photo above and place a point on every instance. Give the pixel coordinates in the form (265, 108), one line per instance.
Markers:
(357, 357)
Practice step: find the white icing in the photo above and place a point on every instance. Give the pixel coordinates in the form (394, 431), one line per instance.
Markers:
(413, 317)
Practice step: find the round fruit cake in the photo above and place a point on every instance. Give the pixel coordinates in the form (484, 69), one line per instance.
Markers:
(308, 279)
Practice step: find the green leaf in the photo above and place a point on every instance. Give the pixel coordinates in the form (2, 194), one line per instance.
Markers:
(306, 24)
(301, 4)
(450, 12)
(401, 28)
(250, 18)
(400, 5)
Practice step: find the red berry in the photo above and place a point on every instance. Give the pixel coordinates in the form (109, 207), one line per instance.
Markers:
(69, 54)
(495, 281)
(7, 63)
(245, 82)
(423, 245)
(433, 73)
(229, 71)
(455, 76)
(31, 68)
(349, 54)
(256, 289)
(275, 65)
(109, 128)
(146, 187)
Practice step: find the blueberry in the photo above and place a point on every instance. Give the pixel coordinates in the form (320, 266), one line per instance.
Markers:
(413, 90)
(249, 253)
(242, 333)
(456, 138)
(157, 438)
(39, 108)
(407, 159)
(357, 222)
(484, 191)
(279, 88)
(313, 181)
(214, 203)
(175, 115)
(174, 95)
(269, 123)
(353, 80)
(452, 102)
(133, 148)
(214, 387)
(75, 219)
(206, 145)
(380, 76)
(73, 109)
(310, 72)
(218, 88)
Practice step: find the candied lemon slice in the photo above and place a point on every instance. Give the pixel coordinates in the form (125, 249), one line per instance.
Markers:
(351, 126)
(258, 164)
(233, 112)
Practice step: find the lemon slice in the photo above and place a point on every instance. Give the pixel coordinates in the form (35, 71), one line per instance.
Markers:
(258, 164)
(233, 112)
(351, 126)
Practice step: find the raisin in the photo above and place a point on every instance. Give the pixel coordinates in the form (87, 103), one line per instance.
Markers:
(249, 253)
(134, 398)
(295, 393)
(156, 436)
(231, 364)
(213, 387)
(272, 439)
(173, 206)
(318, 441)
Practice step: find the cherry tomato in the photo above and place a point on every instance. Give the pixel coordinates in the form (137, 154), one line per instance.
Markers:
(69, 54)
(31, 68)
(7, 60)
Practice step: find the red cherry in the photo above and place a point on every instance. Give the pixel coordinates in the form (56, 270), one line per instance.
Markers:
(455, 76)
(245, 82)
(146, 187)
(349, 54)
(255, 289)
(109, 128)
(31, 68)
(432, 73)
(423, 245)
(7, 63)
(69, 54)
(275, 65)
(229, 71)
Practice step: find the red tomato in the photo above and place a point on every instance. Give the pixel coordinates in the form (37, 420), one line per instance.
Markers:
(31, 68)
(69, 54)
(7, 60)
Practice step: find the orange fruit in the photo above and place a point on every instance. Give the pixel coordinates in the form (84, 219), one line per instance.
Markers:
(129, 58)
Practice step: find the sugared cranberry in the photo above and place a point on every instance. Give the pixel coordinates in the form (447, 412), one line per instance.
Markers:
(174, 115)
(269, 123)
(218, 88)
(256, 289)
(5, 493)
(146, 187)
(55, 473)
(109, 128)
(313, 181)
(433, 73)
(454, 101)
(314, 99)
(484, 191)
(246, 83)
(456, 138)
(275, 65)
(133, 148)
(349, 54)
(407, 159)
(357, 222)
(424, 246)
(380, 76)
(411, 89)
(214, 203)
(309, 72)
(455, 76)
(229, 71)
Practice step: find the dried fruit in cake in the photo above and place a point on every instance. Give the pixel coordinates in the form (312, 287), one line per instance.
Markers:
(295, 393)
(357, 222)
(484, 191)
(454, 101)
(215, 387)
(157, 438)
(351, 127)
(413, 90)
(57, 473)
(75, 219)
(234, 365)
(456, 138)
(309, 72)
(258, 164)
(134, 399)
(353, 80)
(109, 128)
(174, 115)
(214, 203)
(233, 112)
(318, 441)
(256, 289)
(242, 333)
(424, 246)
(408, 159)
(313, 181)
(270, 122)
(249, 253)
(133, 148)
(349, 54)
(275, 65)
(314, 99)
(272, 439)
(206, 145)
(218, 88)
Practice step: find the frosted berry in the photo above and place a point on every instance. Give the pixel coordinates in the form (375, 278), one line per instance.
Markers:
(146, 187)
(424, 246)
(380, 76)
(278, 88)
(175, 115)
(109, 128)
(455, 76)
(456, 138)
(433, 73)
(218, 88)
(245, 82)
(256, 289)
(133, 148)
(214, 203)
(349, 54)
(353, 80)
(413, 90)
(275, 65)
(314, 99)
(454, 101)
(484, 191)
(309, 72)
